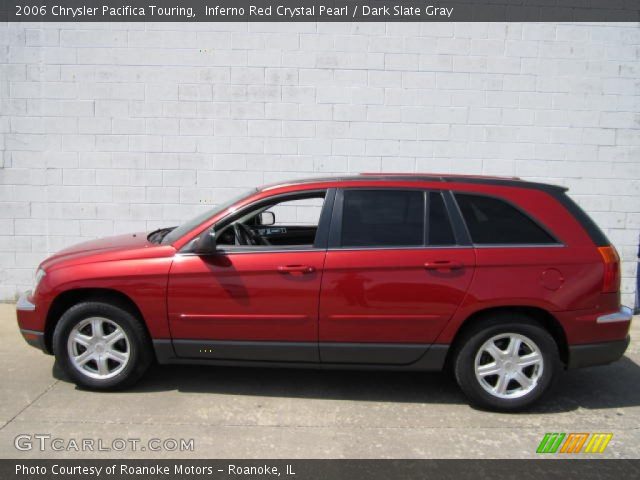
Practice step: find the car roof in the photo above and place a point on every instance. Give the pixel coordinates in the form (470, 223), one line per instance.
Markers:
(421, 177)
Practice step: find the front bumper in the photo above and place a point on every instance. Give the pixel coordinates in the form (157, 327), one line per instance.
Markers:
(25, 304)
(33, 338)
(593, 354)
(30, 322)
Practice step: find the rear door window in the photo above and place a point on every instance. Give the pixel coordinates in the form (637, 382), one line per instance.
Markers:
(494, 221)
(383, 218)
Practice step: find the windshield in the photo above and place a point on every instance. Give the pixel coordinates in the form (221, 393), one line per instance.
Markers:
(185, 228)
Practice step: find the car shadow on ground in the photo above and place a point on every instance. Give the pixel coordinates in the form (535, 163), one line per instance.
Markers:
(611, 386)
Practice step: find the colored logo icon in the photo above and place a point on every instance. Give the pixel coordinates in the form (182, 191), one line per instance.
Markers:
(574, 442)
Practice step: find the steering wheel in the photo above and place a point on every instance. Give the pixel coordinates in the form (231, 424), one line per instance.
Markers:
(246, 236)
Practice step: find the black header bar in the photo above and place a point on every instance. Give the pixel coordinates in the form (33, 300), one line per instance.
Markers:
(583, 469)
(319, 10)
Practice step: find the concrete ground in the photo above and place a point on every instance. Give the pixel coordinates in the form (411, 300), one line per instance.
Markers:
(261, 413)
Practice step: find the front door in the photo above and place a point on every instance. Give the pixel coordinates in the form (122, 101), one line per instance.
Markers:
(256, 297)
(392, 279)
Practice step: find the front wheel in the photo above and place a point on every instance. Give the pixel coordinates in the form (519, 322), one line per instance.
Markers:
(101, 346)
(507, 363)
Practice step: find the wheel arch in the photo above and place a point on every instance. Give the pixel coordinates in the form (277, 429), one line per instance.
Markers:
(69, 298)
(545, 318)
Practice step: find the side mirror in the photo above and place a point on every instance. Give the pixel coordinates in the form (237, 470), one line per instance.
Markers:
(267, 218)
(206, 243)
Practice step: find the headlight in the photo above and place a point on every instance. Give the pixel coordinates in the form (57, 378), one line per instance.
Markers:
(40, 273)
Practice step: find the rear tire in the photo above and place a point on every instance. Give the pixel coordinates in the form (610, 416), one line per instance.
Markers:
(101, 346)
(507, 362)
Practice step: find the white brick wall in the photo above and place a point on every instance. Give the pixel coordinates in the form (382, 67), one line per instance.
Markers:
(109, 128)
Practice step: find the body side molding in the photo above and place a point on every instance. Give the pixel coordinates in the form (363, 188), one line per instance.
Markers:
(355, 356)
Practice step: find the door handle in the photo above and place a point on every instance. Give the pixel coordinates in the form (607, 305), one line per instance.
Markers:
(443, 265)
(296, 269)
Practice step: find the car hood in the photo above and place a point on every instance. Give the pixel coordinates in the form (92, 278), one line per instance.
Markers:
(118, 247)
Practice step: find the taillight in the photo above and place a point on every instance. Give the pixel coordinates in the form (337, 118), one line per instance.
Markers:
(611, 278)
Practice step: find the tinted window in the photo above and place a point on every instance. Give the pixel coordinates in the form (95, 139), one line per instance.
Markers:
(385, 218)
(440, 231)
(492, 221)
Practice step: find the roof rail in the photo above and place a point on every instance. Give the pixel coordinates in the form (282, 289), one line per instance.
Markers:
(426, 177)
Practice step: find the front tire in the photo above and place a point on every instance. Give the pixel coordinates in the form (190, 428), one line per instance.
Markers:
(101, 346)
(507, 363)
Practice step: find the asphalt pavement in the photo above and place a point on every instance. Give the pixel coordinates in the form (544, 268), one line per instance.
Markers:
(213, 412)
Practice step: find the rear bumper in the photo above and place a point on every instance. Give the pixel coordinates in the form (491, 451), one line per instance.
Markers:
(625, 314)
(597, 353)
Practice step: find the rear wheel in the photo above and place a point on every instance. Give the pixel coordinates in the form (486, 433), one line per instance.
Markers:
(101, 346)
(507, 362)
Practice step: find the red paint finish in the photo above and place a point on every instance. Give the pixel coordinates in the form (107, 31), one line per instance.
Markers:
(128, 264)
(551, 279)
(32, 319)
(412, 295)
(246, 296)
(510, 276)
(381, 295)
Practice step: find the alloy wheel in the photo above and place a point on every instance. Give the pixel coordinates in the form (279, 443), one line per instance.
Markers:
(509, 365)
(98, 348)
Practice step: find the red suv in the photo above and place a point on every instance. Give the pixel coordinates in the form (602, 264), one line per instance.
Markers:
(507, 282)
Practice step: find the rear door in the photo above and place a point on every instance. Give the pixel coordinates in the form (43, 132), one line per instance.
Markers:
(394, 274)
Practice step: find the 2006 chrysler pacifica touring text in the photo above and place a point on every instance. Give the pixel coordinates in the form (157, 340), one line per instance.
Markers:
(507, 282)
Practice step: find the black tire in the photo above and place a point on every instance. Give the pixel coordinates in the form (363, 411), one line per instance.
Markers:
(504, 323)
(139, 349)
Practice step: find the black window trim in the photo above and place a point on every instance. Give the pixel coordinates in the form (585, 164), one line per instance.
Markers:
(335, 229)
(319, 244)
(592, 229)
(556, 241)
(458, 226)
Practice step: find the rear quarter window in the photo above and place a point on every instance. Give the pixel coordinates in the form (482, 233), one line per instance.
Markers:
(494, 221)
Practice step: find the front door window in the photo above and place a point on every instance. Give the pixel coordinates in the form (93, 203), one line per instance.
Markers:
(288, 222)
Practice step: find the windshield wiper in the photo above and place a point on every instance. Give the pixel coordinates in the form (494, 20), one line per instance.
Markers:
(157, 235)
